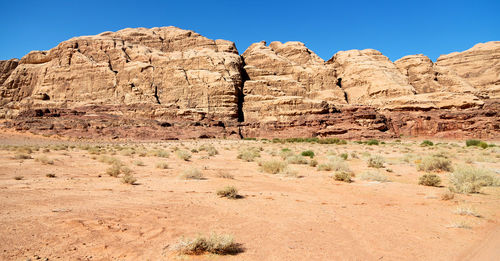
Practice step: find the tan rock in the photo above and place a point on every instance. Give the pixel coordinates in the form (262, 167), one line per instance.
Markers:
(366, 75)
(427, 77)
(480, 66)
(286, 80)
(175, 72)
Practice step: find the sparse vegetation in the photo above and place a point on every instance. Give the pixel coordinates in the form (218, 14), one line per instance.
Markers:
(466, 211)
(225, 175)
(296, 159)
(162, 165)
(249, 154)
(447, 195)
(183, 155)
(308, 153)
(129, 179)
(432, 180)
(372, 142)
(469, 179)
(192, 173)
(376, 162)
(434, 163)
(228, 192)
(222, 244)
(139, 163)
(44, 160)
(373, 175)
(313, 163)
(273, 166)
(426, 143)
(343, 176)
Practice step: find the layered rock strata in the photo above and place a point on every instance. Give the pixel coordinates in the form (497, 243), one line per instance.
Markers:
(169, 83)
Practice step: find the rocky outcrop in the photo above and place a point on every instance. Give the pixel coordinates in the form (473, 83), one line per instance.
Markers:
(285, 81)
(479, 66)
(168, 71)
(169, 83)
(427, 77)
(367, 75)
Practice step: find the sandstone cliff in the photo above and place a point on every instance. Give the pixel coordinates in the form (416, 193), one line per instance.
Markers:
(169, 83)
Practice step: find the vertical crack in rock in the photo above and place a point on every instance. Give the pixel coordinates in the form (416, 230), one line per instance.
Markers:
(339, 84)
(156, 95)
(240, 93)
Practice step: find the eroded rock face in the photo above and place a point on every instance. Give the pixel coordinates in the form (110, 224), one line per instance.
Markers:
(287, 80)
(427, 77)
(168, 83)
(480, 66)
(169, 71)
(367, 75)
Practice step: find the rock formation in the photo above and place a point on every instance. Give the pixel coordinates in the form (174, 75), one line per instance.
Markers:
(479, 66)
(168, 83)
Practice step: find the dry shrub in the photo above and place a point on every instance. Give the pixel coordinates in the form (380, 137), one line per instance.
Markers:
(183, 154)
(343, 176)
(469, 179)
(432, 180)
(273, 166)
(296, 159)
(162, 165)
(228, 192)
(373, 176)
(192, 173)
(129, 179)
(376, 162)
(248, 154)
(216, 244)
(434, 163)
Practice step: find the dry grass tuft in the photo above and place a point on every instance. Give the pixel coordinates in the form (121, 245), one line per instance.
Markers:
(432, 180)
(434, 163)
(373, 176)
(228, 192)
(192, 173)
(273, 166)
(469, 179)
(216, 244)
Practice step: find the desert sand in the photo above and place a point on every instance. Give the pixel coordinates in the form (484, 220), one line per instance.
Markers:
(85, 214)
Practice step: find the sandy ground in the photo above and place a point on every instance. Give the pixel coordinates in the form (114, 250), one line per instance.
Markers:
(85, 214)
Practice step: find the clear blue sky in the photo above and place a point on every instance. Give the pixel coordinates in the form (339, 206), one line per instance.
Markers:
(396, 28)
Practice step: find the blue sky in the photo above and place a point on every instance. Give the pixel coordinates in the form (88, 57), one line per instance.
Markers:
(396, 28)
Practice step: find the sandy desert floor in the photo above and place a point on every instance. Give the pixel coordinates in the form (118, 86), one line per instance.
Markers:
(85, 214)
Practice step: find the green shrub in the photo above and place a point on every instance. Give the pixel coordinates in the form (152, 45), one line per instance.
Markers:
(372, 142)
(469, 179)
(183, 155)
(215, 244)
(483, 145)
(308, 153)
(472, 143)
(228, 192)
(432, 180)
(434, 163)
(344, 156)
(376, 162)
(273, 166)
(426, 143)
